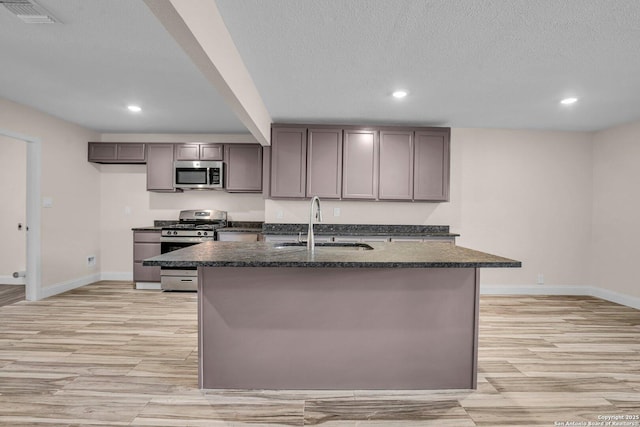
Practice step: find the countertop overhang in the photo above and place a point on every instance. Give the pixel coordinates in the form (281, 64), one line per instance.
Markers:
(383, 255)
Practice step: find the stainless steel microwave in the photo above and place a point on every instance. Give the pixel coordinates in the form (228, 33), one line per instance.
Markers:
(198, 175)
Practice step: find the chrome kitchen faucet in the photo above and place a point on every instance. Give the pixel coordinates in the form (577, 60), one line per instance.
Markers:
(311, 244)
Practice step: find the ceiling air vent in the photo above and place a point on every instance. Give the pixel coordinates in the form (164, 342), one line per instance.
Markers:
(29, 11)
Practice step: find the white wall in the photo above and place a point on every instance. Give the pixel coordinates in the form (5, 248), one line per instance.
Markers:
(13, 179)
(520, 194)
(69, 229)
(125, 203)
(616, 212)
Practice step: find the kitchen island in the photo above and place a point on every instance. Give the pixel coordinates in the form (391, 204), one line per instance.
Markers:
(377, 316)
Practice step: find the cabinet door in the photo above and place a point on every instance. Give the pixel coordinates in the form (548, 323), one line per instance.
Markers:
(160, 167)
(131, 153)
(288, 162)
(324, 163)
(396, 165)
(360, 165)
(431, 166)
(146, 245)
(211, 151)
(103, 151)
(243, 168)
(187, 152)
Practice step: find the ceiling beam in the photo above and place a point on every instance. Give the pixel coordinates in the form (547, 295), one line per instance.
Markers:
(198, 28)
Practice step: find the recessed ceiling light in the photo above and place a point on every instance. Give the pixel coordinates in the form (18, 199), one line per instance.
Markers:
(399, 94)
(569, 101)
(134, 108)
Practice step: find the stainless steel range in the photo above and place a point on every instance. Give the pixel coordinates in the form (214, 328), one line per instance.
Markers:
(194, 226)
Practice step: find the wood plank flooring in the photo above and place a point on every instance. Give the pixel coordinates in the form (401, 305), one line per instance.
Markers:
(107, 354)
(10, 294)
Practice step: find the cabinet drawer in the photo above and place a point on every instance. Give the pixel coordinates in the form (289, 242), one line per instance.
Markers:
(146, 236)
(143, 273)
(237, 237)
(142, 251)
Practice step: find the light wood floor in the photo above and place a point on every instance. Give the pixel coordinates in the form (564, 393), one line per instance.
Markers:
(106, 354)
(10, 294)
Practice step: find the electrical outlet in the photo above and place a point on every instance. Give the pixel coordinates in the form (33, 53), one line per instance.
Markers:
(279, 214)
(540, 279)
(336, 211)
(91, 260)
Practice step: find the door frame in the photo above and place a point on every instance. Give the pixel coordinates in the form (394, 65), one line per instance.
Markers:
(33, 282)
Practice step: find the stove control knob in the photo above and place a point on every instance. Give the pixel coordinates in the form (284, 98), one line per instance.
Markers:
(175, 233)
(199, 233)
(205, 233)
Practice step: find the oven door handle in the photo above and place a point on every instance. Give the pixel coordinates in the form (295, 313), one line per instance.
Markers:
(193, 240)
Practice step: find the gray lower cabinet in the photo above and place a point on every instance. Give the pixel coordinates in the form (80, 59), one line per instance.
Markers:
(234, 236)
(160, 167)
(360, 164)
(146, 244)
(116, 152)
(288, 162)
(324, 163)
(396, 165)
(243, 169)
(431, 165)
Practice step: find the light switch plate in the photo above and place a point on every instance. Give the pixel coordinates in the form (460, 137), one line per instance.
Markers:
(336, 211)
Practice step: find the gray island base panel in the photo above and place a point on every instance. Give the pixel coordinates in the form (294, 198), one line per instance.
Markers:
(337, 328)
(397, 316)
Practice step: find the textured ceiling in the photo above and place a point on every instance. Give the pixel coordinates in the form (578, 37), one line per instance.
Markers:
(104, 55)
(465, 63)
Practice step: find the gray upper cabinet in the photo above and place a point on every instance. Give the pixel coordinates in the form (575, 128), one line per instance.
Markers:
(324, 163)
(431, 165)
(160, 167)
(288, 162)
(112, 152)
(360, 164)
(197, 151)
(243, 168)
(396, 165)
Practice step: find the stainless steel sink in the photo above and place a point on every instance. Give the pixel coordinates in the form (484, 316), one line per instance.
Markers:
(343, 246)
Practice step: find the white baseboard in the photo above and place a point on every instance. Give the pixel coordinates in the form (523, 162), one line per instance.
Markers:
(10, 280)
(154, 286)
(49, 291)
(593, 291)
(117, 275)
(618, 298)
(488, 289)
(59, 288)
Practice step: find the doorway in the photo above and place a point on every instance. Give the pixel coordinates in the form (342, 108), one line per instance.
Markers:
(31, 227)
(13, 251)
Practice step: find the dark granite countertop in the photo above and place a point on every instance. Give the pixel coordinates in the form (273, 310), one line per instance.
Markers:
(157, 225)
(233, 226)
(360, 230)
(383, 255)
(243, 227)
